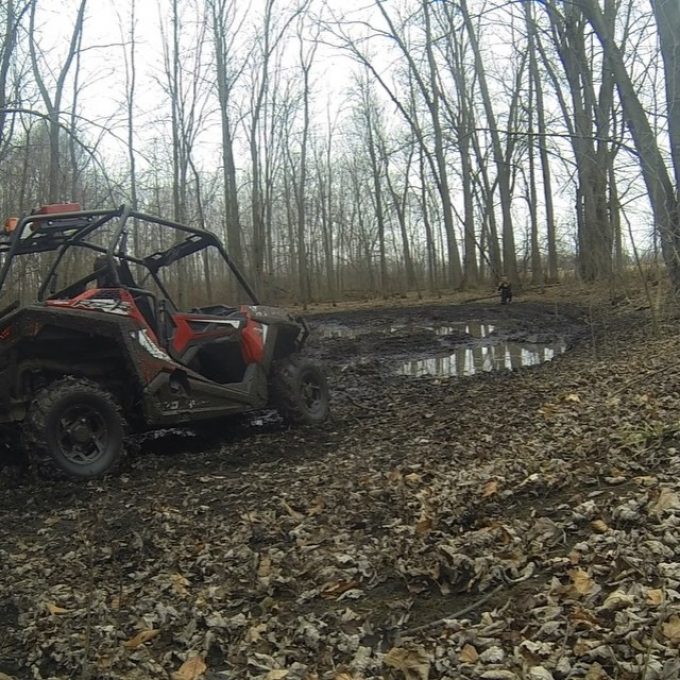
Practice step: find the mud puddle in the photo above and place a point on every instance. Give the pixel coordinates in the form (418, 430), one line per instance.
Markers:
(442, 342)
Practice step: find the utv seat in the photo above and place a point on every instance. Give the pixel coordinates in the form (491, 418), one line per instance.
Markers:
(143, 298)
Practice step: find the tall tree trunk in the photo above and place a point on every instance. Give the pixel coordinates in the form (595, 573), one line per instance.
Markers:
(660, 187)
(222, 20)
(539, 109)
(502, 168)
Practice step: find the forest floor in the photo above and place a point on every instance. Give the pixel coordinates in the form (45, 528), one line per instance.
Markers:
(508, 524)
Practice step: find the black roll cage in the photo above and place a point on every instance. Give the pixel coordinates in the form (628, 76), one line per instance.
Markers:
(59, 232)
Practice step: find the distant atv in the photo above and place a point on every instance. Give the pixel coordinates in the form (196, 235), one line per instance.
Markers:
(102, 345)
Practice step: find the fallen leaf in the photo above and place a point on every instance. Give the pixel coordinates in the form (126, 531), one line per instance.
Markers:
(617, 600)
(671, 629)
(54, 609)
(292, 512)
(574, 398)
(599, 526)
(655, 597)
(645, 480)
(141, 637)
(192, 669)
(336, 588)
(583, 616)
(581, 581)
(468, 654)
(413, 478)
(424, 525)
(317, 506)
(666, 500)
(276, 674)
(254, 632)
(413, 663)
(596, 672)
(264, 568)
(180, 584)
(395, 476)
(490, 488)
(5, 677)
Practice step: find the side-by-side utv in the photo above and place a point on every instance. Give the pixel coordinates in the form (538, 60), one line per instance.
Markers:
(115, 322)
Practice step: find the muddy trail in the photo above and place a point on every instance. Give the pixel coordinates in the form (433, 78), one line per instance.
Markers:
(495, 496)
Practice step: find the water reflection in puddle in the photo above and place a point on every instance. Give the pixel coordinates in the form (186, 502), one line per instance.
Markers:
(471, 360)
(474, 329)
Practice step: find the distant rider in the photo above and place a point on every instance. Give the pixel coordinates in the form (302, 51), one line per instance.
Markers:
(505, 289)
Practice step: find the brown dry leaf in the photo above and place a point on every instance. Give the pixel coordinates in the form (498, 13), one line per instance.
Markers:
(655, 597)
(334, 589)
(394, 476)
(264, 568)
(317, 507)
(490, 488)
(573, 398)
(505, 535)
(180, 584)
(583, 646)
(599, 526)
(424, 525)
(192, 669)
(645, 480)
(574, 556)
(468, 654)
(666, 500)
(581, 581)
(5, 677)
(413, 478)
(292, 512)
(55, 609)
(276, 674)
(413, 663)
(617, 600)
(583, 616)
(253, 633)
(596, 672)
(141, 637)
(671, 629)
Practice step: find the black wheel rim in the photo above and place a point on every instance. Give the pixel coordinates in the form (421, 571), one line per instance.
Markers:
(82, 434)
(312, 394)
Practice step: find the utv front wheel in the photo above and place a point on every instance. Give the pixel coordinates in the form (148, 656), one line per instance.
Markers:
(300, 391)
(75, 426)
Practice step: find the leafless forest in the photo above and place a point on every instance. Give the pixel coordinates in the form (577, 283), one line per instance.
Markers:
(345, 149)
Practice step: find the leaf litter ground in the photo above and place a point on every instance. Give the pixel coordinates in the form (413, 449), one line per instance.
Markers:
(514, 524)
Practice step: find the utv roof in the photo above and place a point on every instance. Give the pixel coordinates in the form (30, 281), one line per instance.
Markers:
(59, 227)
(47, 230)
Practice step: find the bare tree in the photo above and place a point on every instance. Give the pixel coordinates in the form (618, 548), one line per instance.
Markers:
(500, 157)
(226, 23)
(53, 100)
(539, 108)
(12, 18)
(661, 188)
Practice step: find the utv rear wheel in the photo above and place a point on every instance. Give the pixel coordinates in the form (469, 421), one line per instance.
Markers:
(76, 427)
(300, 391)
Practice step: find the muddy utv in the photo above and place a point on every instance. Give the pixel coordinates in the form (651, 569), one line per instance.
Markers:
(117, 324)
